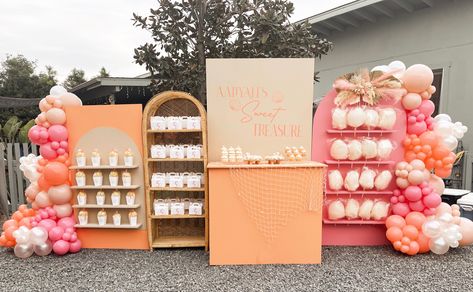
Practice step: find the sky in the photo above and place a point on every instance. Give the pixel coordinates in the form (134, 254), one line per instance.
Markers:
(89, 34)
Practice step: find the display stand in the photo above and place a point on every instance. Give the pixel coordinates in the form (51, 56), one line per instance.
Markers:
(185, 230)
(354, 232)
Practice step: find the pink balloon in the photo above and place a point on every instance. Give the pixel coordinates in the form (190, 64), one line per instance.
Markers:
(63, 210)
(73, 237)
(31, 191)
(417, 206)
(413, 193)
(411, 101)
(427, 107)
(58, 133)
(61, 247)
(466, 229)
(66, 222)
(437, 183)
(38, 135)
(75, 246)
(417, 78)
(56, 233)
(42, 200)
(401, 209)
(415, 177)
(47, 151)
(61, 194)
(56, 116)
(47, 224)
(70, 99)
(417, 129)
(66, 236)
(432, 200)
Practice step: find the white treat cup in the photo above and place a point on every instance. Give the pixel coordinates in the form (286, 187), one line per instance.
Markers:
(126, 181)
(100, 200)
(80, 180)
(130, 200)
(80, 161)
(113, 160)
(128, 160)
(115, 200)
(83, 220)
(81, 200)
(95, 161)
(134, 220)
(102, 220)
(117, 220)
(113, 180)
(98, 181)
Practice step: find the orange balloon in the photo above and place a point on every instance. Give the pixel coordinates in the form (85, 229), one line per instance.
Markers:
(23, 208)
(9, 233)
(26, 222)
(429, 163)
(397, 245)
(423, 242)
(409, 156)
(42, 162)
(56, 173)
(395, 221)
(17, 216)
(421, 156)
(429, 138)
(31, 213)
(394, 234)
(43, 185)
(3, 240)
(415, 219)
(415, 141)
(440, 152)
(410, 231)
(10, 223)
(442, 172)
(413, 248)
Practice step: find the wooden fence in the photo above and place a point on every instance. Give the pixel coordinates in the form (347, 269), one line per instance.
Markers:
(12, 181)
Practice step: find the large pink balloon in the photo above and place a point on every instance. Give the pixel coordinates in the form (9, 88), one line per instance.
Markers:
(58, 133)
(47, 224)
(66, 222)
(42, 200)
(427, 107)
(401, 209)
(56, 233)
(417, 128)
(56, 116)
(38, 135)
(61, 247)
(64, 210)
(47, 151)
(417, 78)
(59, 195)
(466, 229)
(75, 246)
(70, 99)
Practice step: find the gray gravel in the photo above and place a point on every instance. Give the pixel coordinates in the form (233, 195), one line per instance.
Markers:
(343, 269)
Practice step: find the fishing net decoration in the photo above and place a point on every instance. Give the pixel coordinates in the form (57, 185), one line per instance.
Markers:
(273, 196)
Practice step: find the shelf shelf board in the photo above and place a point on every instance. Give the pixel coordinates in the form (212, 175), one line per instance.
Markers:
(361, 132)
(105, 187)
(109, 226)
(353, 222)
(103, 167)
(359, 162)
(179, 241)
(185, 216)
(175, 159)
(175, 131)
(359, 192)
(168, 189)
(95, 206)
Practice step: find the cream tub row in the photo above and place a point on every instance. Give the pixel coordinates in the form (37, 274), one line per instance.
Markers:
(175, 123)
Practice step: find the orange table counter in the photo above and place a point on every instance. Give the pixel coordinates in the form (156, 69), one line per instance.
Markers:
(266, 214)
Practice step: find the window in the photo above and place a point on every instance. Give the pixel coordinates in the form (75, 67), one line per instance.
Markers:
(438, 73)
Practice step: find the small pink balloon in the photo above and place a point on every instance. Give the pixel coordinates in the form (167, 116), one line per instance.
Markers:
(47, 151)
(56, 116)
(432, 200)
(59, 195)
(427, 107)
(63, 144)
(42, 200)
(66, 236)
(42, 117)
(70, 229)
(401, 209)
(429, 212)
(417, 206)
(50, 99)
(61, 247)
(411, 101)
(75, 246)
(61, 151)
(58, 133)
(47, 224)
(56, 233)
(417, 78)
(413, 193)
(55, 145)
(73, 237)
(46, 124)
(63, 210)
(66, 222)
(50, 210)
(417, 129)
(425, 95)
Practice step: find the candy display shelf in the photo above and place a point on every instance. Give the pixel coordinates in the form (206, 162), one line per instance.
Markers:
(183, 230)
(95, 206)
(357, 222)
(109, 226)
(103, 167)
(105, 187)
(361, 132)
(359, 162)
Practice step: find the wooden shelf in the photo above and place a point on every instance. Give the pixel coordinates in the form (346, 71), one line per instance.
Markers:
(361, 132)
(103, 167)
(359, 162)
(109, 226)
(175, 131)
(168, 189)
(95, 206)
(175, 159)
(179, 241)
(105, 187)
(185, 216)
(358, 192)
(353, 222)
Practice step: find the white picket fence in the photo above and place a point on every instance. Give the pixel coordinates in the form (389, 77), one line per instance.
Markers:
(12, 181)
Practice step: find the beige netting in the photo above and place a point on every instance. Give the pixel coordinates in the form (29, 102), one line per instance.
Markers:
(274, 196)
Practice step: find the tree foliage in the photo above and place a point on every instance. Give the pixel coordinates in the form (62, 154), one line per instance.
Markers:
(75, 77)
(187, 32)
(103, 72)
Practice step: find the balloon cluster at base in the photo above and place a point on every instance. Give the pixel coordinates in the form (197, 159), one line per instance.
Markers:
(421, 222)
(49, 224)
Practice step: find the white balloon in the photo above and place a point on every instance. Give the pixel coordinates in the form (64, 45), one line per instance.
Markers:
(443, 128)
(451, 142)
(22, 235)
(382, 68)
(399, 66)
(57, 90)
(442, 117)
(371, 118)
(438, 245)
(432, 228)
(446, 217)
(38, 235)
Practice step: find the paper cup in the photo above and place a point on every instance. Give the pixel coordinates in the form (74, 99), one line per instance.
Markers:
(126, 181)
(100, 200)
(130, 201)
(98, 180)
(81, 200)
(133, 220)
(102, 220)
(80, 161)
(115, 200)
(82, 220)
(95, 161)
(80, 181)
(113, 160)
(117, 220)
(128, 160)
(113, 181)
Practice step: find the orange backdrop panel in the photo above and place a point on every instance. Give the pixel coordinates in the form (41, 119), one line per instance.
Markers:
(235, 237)
(126, 118)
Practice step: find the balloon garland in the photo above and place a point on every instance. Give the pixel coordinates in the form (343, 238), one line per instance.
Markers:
(49, 224)
(421, 222)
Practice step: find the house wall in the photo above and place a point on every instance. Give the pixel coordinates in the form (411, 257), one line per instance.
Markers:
(440, 37)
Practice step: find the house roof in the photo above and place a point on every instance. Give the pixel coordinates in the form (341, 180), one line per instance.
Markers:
(14, 102)
(356, 13)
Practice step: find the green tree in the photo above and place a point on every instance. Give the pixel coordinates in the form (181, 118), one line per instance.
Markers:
(103, 72)
(187, 32)
(76, 77)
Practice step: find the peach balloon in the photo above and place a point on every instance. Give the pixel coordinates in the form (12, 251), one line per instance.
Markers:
(416, 219)
(42, 200)
(466, 229)
(416, 177)
(411, 101)
(437, 184)
(62, 211)
(395, 221)
(44, 106)
(70, 99)
(394, 234)
(59, 195)
(402, 182)
(56, 116)
(418, 78)
(443, 208)
(423, 242)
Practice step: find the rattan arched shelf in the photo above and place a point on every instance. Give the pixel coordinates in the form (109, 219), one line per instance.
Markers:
(175, 230)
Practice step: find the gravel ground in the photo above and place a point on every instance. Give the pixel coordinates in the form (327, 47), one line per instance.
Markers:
(343, 269)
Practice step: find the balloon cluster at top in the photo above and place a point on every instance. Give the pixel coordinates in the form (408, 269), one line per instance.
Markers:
(49, 225)
(420, 221)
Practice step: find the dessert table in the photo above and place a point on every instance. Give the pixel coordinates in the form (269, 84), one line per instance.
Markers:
(266, 213)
